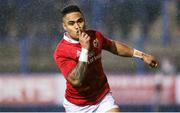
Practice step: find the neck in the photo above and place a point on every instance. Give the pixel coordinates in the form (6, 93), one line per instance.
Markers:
(68, 38)
(67, 34)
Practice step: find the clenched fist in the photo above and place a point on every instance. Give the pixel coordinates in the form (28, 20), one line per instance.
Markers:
(150, 60)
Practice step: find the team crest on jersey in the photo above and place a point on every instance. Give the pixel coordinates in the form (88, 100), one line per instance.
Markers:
(95, 43)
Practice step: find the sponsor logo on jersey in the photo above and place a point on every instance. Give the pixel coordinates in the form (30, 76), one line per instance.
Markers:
(91, 55)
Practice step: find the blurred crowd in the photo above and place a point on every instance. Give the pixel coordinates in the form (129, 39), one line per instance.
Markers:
(39, 22)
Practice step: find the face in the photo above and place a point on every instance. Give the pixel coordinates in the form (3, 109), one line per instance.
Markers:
(72, 23)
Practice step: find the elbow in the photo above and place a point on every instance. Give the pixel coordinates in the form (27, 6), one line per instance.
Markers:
(75, 83)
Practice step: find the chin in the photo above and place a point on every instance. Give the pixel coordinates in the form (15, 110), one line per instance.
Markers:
(76, 38)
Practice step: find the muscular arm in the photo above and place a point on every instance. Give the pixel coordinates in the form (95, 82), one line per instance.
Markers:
(121, 49)
(77, 75)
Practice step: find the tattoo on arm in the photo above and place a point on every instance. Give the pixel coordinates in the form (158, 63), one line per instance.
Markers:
(77, 75)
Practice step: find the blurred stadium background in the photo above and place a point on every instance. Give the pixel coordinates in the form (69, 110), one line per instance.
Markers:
(30, 30)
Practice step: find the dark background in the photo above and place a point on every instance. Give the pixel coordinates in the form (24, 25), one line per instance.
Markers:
(31, 29)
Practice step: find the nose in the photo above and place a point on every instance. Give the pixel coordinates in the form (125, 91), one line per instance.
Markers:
(77, 26)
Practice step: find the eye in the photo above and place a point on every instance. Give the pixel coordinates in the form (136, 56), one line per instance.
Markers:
(80, 20)
(71, 23)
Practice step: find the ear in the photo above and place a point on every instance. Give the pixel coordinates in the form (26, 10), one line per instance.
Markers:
(64, 26)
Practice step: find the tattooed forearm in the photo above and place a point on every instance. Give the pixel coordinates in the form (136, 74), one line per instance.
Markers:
(77, 75)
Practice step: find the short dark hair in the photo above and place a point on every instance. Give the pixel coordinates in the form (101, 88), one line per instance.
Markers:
(70, 9)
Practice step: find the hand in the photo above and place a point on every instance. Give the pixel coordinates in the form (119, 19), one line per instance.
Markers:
(150, 60)
(84, 40)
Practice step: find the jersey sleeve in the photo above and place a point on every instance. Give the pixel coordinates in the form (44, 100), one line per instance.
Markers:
(106, 42)
(64, 63)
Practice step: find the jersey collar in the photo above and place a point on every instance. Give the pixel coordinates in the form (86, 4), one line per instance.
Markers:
(68, 39)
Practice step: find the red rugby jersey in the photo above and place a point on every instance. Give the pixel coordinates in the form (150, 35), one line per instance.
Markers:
(95, 86)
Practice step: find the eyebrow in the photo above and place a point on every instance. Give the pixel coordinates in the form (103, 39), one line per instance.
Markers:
(71, 21)
(76, 20)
